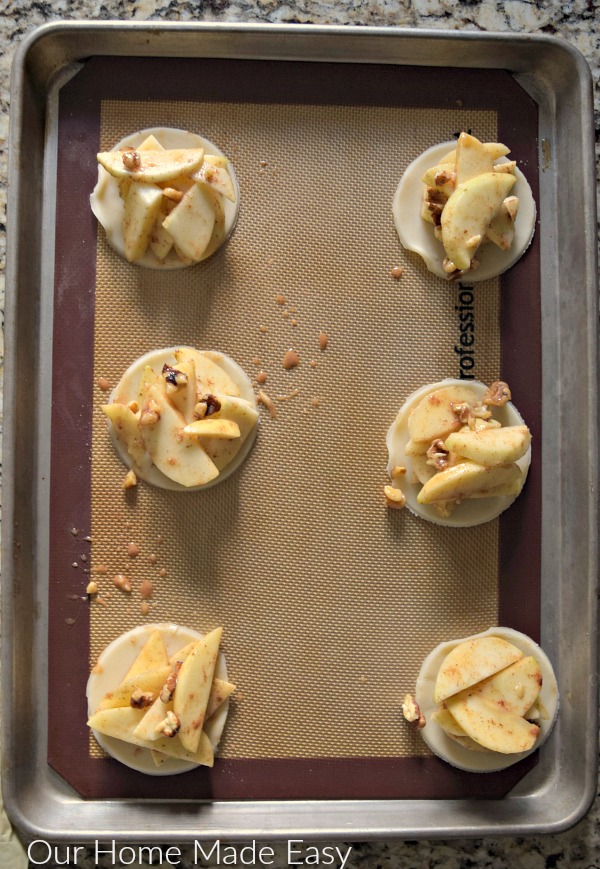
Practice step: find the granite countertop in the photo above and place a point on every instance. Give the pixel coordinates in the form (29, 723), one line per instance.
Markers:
(577, 22)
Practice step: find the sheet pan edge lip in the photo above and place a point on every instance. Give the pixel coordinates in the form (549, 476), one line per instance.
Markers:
(354, 31)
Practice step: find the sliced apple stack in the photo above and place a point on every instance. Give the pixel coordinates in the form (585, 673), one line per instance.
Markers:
(165, 703)
(486, 700)
(175, 205)
(470, 197)
(182, 418)
(457, 443)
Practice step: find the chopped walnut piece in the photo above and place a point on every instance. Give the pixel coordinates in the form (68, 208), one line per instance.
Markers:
(130, 480)
(131, 160)
(412, 712)
(168, 689)
(497, 394)
(170, 726)
(395, 498)
(438, 455)
(150, 413)
(207, 405)
(141, 699)
(175, 379)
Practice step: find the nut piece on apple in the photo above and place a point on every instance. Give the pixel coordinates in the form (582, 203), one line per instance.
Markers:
(491, 721)
(464, 449)
(166, 198)
(182, 418)
(137, 720)
(468, 211)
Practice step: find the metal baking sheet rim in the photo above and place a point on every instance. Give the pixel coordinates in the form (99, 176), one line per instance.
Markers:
(556, 75)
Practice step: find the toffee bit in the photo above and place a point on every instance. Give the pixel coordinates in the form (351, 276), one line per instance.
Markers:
(121, 581)
(255, 360)
(74, 532)
(104, 384)
(280, 299)
(292, 394)
(133, 550)
(75, 564)
(323, 340)
(397, 272)
(70, 622)
(152, 558)
(261, 377)
(290, 359)
(263, 329)
(101, 569)
(146, 589)
(268, 402)
(144, 608)
(162, 571)
(316, 402)
(313, 363)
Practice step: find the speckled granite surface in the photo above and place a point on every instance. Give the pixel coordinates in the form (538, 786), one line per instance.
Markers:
(578, 22)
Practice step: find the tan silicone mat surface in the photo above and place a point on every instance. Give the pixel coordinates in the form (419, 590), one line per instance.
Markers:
(328, 601)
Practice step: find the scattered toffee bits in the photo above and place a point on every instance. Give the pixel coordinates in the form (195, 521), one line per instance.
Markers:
(133, 550)
(268, 402)
(104, 384)
(121, 581)
(290, 360)
(162, 571)
(323, 340)
(261, 377)
(316, 402)
(152, 559)
(293, 322)
(144, 608)
(397, 272)
(146, 589)
(263, 329)
(313, 363)
(101, 569)
(255, 360)
(280, 299)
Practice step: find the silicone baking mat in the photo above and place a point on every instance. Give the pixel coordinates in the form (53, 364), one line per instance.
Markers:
(329, 601)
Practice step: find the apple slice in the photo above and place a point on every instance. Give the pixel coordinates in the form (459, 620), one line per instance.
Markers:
(501, 230)
(465, 479)
(241, 413)
(149, 682)
(491, 446)
(121, 723)
(153, 656)
(179, 458)
(492, 726)
(194, 683)
(152, 167)
(494, 149)
(215, 428)
(469, 212)
(161, 241)
(141, 210)
(191, 222)
(211, 379)
(472, 158)
(218, 233)
(443, 719)
(125, 424)
(471, 662)
(214, 174)
(515, 688)
(149, 727)
(435, 416)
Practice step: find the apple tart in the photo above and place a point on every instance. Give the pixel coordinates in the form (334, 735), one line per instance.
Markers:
(459, 453)
(158, 698)
(166, 198)
(466, 209)
(485, 702)
(182, 418)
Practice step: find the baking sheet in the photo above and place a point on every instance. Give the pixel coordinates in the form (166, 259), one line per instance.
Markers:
(514, 316)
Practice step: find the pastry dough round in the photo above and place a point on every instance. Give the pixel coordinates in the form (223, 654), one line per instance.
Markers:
(127, 390)
(114, 662)
(109, 208)
(469, 512)
(417, 235)
(483, 761)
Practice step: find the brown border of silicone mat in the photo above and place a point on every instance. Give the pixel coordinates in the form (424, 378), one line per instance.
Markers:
(520, 543)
